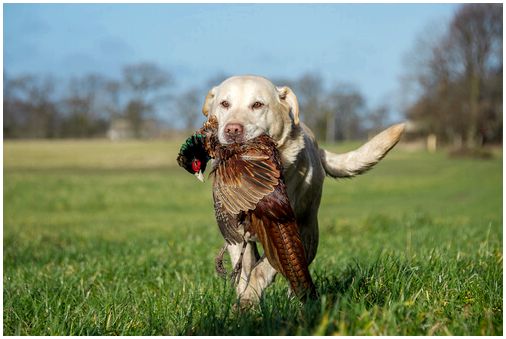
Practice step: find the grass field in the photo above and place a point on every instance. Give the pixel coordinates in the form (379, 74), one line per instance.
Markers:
(108, 238)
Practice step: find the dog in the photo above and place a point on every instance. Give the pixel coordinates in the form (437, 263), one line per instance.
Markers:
(248, 106)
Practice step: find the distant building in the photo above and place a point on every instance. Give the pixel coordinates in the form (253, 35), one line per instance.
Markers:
(122, 129)
(416, 134)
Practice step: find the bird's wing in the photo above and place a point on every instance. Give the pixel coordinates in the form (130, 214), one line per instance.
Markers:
(243, 179)
(273, 221)
(228, 223)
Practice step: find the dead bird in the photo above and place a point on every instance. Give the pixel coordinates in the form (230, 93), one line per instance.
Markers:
(250, 200)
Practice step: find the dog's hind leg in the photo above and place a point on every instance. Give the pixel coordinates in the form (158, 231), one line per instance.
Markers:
(261, 276)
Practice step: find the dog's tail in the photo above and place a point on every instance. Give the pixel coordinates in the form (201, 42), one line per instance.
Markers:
(358, 161)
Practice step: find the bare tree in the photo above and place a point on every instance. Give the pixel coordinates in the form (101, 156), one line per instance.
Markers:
(84, 108)
(146, 83)
(135, 114)
(112, 98)
(29, 107)
(310, 93)
(458, 77)
(346, 114)
(189, 108)
(476, 34)
(377, 117)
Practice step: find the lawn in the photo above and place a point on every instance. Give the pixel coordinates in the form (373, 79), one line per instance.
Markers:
(106, 238)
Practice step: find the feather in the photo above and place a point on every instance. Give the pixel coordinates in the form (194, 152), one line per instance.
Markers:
(248, 179)
(227, 223)
(278, 232)
(243, 180)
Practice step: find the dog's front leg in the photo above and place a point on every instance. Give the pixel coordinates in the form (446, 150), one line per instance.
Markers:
(249, 258)
(261, 276)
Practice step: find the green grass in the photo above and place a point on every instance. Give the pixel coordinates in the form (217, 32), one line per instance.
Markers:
(113, 238)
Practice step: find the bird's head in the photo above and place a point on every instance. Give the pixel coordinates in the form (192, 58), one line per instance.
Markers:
(193, 156)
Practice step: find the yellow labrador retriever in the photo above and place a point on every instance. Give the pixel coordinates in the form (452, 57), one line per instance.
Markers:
(247, 106)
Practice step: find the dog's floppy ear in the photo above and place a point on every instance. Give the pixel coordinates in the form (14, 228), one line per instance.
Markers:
(286, 95)
(209, 101)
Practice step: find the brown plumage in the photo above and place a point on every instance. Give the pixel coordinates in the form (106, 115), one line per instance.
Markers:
(249, 191)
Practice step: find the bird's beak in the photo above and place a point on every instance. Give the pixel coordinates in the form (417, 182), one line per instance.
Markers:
(200, 176)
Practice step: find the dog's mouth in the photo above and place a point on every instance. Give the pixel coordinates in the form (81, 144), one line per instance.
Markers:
(234, 139)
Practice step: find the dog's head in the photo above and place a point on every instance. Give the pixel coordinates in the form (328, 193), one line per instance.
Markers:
(248, 106)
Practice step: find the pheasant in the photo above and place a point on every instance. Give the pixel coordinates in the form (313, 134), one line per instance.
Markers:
(250, 199)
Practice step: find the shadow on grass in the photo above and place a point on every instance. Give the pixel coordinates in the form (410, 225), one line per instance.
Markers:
(341, 298)
(276, 314)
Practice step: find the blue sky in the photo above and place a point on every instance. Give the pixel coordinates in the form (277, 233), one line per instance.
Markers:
(361, 44)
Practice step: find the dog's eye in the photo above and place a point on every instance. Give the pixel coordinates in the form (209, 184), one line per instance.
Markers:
(257, 105)
(225, 104)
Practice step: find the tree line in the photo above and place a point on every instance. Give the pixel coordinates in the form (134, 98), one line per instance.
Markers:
(40, 107)
(87, 106)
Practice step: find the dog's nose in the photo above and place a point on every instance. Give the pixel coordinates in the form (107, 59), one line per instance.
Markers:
(234, 131)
